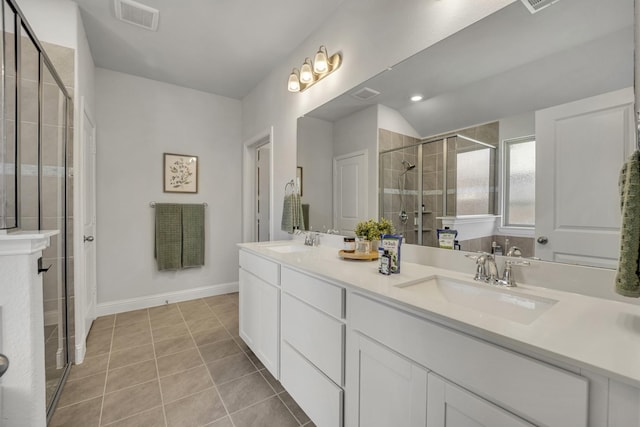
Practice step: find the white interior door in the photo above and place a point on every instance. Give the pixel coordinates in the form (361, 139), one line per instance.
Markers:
(88, 214)
(582, 146)
(350, 188)
(263, 178)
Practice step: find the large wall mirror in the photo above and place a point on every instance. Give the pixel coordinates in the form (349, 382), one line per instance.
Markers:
(524, 123)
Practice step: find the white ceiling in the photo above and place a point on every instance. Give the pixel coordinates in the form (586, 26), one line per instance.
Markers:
(224, 47)
(506, 64)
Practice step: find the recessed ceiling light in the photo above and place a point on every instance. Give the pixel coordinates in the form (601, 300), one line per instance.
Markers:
(416, 98)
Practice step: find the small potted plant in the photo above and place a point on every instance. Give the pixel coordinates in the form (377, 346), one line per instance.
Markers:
(371, 230)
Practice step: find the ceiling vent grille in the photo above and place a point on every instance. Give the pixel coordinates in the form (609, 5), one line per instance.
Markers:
(365, 94)
(537, 5)
(137, 14)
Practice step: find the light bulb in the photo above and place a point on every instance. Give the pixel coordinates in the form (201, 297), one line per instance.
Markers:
(320, 64)
(294, 83)
(416, 98)
(306, 74)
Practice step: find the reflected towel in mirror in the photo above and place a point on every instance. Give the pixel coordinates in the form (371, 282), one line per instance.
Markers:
(628, 276)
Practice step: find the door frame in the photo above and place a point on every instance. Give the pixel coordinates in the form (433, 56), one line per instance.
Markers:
(336, 159)
(80, 286)
(249, 148)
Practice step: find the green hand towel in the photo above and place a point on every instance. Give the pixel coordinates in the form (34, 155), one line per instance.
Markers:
(168, 245)
(287, 214)
(192, 235)
(628, 277)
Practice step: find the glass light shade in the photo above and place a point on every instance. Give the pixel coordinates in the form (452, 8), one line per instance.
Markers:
(306, 74)
(294, 83)
(320, 61)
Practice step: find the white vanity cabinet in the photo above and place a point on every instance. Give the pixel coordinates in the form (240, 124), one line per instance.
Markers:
(470, 382)
(452, 406)
(391, 390)
(259, 299)
(313, 336)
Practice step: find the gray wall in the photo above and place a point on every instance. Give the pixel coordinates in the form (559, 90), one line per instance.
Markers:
(137, 121)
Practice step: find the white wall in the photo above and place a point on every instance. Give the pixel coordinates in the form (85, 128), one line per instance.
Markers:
(315, 155)
(372, 35)
(517, 126)
(392, 120)
(358, 132)
(137, 121)
(54, 21)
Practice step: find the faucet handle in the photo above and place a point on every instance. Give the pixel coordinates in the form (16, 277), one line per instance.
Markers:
(508, 278)
(481, 271)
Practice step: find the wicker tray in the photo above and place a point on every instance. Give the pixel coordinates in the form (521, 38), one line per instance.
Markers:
(371, 256)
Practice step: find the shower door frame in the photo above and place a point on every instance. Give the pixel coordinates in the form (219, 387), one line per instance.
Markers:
(21, 25)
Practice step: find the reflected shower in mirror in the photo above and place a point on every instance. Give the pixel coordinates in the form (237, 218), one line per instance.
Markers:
(551, 92)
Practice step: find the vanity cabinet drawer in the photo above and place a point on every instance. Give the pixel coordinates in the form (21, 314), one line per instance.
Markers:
(318, 293)
(316, 394)
(531, 389)
(266, 270)
(317, 336)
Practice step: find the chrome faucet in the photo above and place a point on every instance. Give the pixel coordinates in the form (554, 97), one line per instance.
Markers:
(487, 270)
(312, 239)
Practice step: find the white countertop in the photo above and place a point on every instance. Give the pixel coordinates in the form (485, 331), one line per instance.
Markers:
(600, 335)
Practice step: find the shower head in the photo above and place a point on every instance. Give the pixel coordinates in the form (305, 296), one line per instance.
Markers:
(408, 166)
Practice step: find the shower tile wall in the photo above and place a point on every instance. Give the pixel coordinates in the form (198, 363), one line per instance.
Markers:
(526, 244)
(432, 177)
(392, 168)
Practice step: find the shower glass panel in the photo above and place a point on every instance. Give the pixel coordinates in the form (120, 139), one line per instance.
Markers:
(34, 152)
(28, 133)
(53, 217)
(432, 190)
(400, 191)
(8, 152)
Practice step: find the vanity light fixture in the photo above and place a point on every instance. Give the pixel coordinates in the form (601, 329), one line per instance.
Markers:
(312, 72)
(416, 98)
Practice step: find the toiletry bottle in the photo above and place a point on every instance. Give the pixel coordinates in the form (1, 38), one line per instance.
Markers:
(385, 263)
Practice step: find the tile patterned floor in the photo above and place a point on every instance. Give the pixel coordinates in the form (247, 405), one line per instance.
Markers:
(175, 365)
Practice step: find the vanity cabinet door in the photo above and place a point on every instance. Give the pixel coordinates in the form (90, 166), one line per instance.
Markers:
(452, 406)
(391, 390)
(259, 320)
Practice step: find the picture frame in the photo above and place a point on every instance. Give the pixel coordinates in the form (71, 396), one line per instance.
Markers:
(299, 179)
(180, 173)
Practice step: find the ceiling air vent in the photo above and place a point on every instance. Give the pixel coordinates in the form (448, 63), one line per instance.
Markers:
(137, 14)
(537, 5)
(365, 94)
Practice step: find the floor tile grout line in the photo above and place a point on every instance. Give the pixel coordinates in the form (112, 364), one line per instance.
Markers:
(224, 405)
(155, 360)
(289, 409)
(131, 416)
(226, 410)
(106, 375)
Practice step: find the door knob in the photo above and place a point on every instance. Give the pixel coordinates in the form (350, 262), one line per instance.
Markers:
(88, 238)
(4, 364)
(543, 240)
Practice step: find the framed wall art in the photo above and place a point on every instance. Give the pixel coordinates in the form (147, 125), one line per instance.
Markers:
(180, 173)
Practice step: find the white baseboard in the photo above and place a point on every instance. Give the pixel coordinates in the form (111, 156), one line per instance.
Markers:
(81, 350)
(160, 299)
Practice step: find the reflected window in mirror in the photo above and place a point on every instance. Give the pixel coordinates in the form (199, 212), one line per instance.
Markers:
(520, 182)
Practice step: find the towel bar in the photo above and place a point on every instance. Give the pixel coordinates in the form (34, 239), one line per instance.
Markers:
(153, 204)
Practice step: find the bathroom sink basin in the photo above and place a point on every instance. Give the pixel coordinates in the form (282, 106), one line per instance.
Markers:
(288, 249)
(504, 303)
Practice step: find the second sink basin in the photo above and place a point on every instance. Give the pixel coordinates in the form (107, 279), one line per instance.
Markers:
(499, 302)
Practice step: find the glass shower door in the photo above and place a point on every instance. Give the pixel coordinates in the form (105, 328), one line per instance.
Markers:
(399, 174)
(53, 217)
